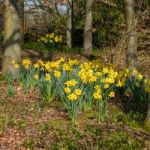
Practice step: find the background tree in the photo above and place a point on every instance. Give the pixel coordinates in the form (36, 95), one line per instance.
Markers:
(69, 23)
(11, 35)
(132, 43)
(21, 15)
(88, 28)
(131, 34)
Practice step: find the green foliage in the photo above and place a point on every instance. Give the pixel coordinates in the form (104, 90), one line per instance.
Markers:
(108, 25)
(83, 86)
(137, 88)
(11, 91)
(29, 142)
(73, 106)
(9, 78)
(9, 121)
(51, 41)
(120, 140)
(46, 89)
(107, 22)
(89, 137)
(21, 124)
(27, 74)
(33, 46)
(2, 124)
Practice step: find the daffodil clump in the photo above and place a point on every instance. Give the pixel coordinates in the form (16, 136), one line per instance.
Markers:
(72, 97)
(81, 85)
(28, 75)
(51, 40)
(46, 87)
(9, 79)
(140, 88)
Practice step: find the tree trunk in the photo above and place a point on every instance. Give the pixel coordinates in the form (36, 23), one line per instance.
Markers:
(131, 34)
(21, 15)
(11, 36)
(88, 28)
(69, 23)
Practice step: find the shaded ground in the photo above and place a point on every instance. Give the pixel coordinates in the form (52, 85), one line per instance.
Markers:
(26, 122)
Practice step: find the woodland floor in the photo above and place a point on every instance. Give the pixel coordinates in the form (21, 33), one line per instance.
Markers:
(26, 122)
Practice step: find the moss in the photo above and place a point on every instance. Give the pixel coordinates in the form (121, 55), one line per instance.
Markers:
(87, 115)
(1, 77)
(145, 126)
(2, 123)
(120, 140)
(59, 123)
(21, 124)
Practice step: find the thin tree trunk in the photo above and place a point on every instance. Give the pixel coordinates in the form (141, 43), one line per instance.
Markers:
(21, 14)
(69, 23)
(131, 34)
(88, 28)
(11, 36)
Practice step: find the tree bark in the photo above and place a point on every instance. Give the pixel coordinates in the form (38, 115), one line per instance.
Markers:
(131, 34)
(11, 36)
(69, 23)
(21, 15)
(88, 28)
